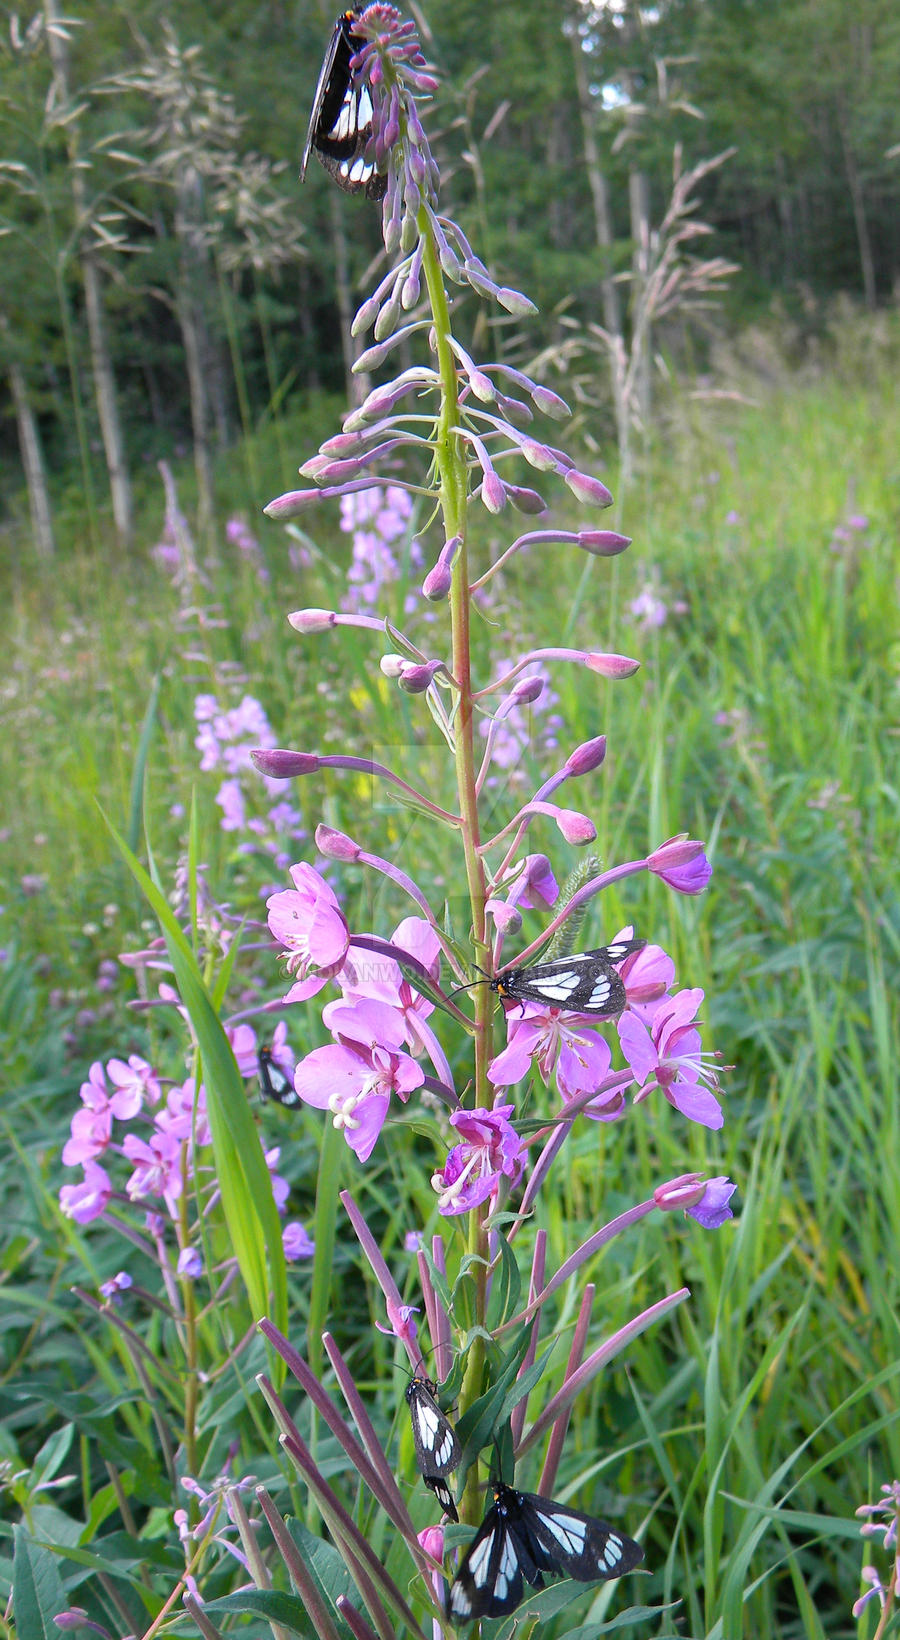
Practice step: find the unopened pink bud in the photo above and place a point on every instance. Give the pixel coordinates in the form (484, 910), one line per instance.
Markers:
(525, 500)
(313, 620)
(336, 845)
(415, 679)
(438, 581)
(283, 765)
(550, 403)
(316, 465)
(493, 492)
(391, 666)
(515, 302)
(603, 543)
(612, 666)
(292, 503)
(588, 489)
(75, 1618)
(685, 1191)
(482, 386)
(507, 918)
(527, 690)
(589, 755)
(576, 828)
(537, 455)
(432, 1541)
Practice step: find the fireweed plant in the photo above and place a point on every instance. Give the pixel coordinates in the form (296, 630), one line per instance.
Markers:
(486, 1311)
(426, 1028)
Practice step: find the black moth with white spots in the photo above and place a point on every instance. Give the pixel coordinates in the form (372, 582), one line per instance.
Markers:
(275, 1083)
(583, 984)
(340, 124)
(437, 1447)
(524, 1536)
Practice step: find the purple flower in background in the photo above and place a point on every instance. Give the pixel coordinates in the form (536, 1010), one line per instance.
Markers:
(87, 1200)
(489, 1152)
(243, 1046)
(668, 1056)
(190, 1264)
(311, 927)
(296, 1241)
(184, 1117)
(114, 1288)
(375, 518)
(91, 1126)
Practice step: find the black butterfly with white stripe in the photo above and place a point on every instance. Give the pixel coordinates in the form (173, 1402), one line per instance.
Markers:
(437, 1446)
(583, 984)
(527, 1537)
(275, 1083)
(340, 125)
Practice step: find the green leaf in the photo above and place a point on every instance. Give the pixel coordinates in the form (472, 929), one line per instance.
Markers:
(326, 1564)
(38, 1593)
(247, 1202)
(136, 805)
(506, 1286)
(287, 1610)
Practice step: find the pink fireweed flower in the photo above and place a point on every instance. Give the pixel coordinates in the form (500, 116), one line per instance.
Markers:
(243, 1046)
(682, 864)
(91, 1127)
(87, 1200)
(184, 1117)
(489, 1152)
(558, 1044)
(355, 1077)
(379, 978)
(402, 1322)
(647, 975)
(135, 1077)
(157, 1170)
(311, 926)
(113, 1289)
(668, 1056)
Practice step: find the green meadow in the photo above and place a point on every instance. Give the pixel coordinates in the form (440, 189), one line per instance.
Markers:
(743, 1430)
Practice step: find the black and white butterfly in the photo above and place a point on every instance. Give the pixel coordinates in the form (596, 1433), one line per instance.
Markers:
(274, 1082)
(340, 124)
(437, 1446)
(526, 1537)
(583, 984)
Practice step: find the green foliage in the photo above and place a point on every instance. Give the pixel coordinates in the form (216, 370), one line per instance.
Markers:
(750, 1426)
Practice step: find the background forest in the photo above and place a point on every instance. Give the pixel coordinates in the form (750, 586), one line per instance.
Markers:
(703, 200)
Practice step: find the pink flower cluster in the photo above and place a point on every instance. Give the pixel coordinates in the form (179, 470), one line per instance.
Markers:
(167, 1149)
(382, 1032)
(225, 740)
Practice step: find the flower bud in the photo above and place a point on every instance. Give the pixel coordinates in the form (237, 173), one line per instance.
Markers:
(493, 491)
(515, 302)
(588, 489)
(527, 690)
(292, 503)
(612, 666)
(685, 1191)
(603, 543)
(550, 403)
(336, 845)
(682, 864)
(283, 765)
(525, 500)
(589, 755)
(312, 620)
(576, 828)
(392, 665)
(416, 678)
(507, 918)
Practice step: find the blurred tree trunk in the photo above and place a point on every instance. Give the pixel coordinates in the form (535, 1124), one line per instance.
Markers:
(639, 207)
(858, 203)
(192, 260)
(32, 462)
(603, 228)
(101, 360)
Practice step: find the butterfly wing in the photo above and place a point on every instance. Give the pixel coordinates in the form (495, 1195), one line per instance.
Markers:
(437, 1448)
(489, 1582)
(438, 1485)
(584, 984)
(566, 1543)
(340, 124)
(274, 1083)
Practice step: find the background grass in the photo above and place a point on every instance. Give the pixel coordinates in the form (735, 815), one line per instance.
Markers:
(763, 719)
